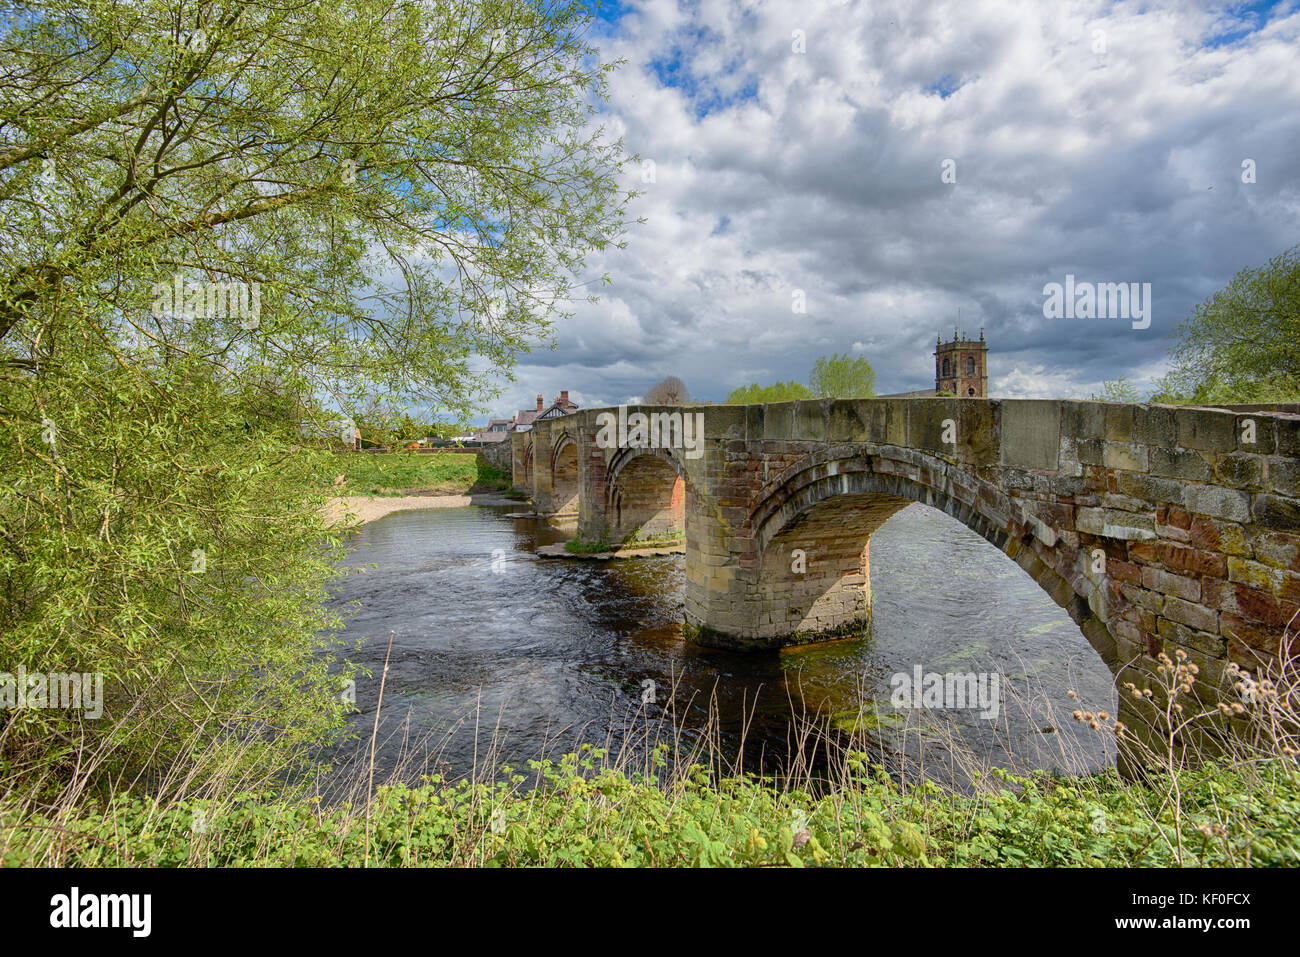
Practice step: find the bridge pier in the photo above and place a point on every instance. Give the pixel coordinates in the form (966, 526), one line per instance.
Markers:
(802, 577)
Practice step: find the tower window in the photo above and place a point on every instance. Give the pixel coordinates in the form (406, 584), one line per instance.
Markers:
(970, 365)
(946, 367)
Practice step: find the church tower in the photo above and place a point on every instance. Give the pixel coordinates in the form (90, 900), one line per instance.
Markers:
(961, 366)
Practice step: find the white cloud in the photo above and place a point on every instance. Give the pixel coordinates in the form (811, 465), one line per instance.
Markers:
(821, 171)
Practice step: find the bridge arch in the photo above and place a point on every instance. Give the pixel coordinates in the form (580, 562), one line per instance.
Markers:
(829, 504)
(565, 478)
(645, 494)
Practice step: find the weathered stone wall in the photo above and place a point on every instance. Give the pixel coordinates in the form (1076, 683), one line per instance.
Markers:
(498, 456)
(521, 460)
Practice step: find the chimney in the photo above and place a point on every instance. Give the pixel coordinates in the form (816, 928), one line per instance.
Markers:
(539, 403)
(564, 399)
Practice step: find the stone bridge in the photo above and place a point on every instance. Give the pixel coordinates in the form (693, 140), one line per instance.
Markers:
(1156, 528)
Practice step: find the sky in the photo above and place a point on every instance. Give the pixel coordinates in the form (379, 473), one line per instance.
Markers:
(906, 167)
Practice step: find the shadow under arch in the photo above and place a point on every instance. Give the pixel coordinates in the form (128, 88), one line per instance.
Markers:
(645, 494)
(526, 463)
(565, 481)
(829, 504)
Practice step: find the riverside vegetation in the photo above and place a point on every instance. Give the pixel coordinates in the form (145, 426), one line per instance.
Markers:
(408, 473)
(601, 806)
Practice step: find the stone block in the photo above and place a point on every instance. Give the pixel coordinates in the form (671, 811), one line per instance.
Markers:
(1277, 512)
(1126, 457)
(1155, 425)
(1184, 464)
(1150, 488)
(1208, 429)
(926, 426)
(1241, 470)
(1227, 504)
(1119, 422)
(1084, 420)
(1031, 433)
(848, 420)
(1110, 523)
(1283, 476)
(1167, 583)
(1191, 614)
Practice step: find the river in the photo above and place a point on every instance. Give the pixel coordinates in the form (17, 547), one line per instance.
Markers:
(501, 656)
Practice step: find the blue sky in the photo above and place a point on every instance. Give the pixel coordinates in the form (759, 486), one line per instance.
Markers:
(799, 147)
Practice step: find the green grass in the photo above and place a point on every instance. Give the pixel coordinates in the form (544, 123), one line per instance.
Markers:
(576, 547)
(585, 813)
(654, 541)
(398, 473)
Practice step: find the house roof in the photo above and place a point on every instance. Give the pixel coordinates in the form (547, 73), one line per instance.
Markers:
(557, 410)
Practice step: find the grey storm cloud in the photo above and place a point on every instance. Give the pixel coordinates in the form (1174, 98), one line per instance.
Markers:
(776, 170)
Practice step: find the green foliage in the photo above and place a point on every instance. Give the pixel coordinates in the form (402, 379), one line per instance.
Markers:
(1121, 390)
(837, 376)
(1242, 344)
(584, 813)
(161, 529)
(1239, 346)
(635, 539)
(397, 473)
(842, 377)
(576, 546)
(779, 392)
(406, 192)
(639, 540)
(313, 149)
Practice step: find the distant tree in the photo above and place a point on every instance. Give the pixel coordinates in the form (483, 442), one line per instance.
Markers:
(1121, 390)
(671, 391)
(448, 430)
(778, 392)
(408, 427)
(841, 377)
(1242, 344)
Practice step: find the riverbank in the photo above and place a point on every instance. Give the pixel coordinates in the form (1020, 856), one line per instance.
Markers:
(404, 481)
(586, 813)
(362, 509)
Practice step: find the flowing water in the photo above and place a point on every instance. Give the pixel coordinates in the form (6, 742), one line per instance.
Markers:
(497, 653)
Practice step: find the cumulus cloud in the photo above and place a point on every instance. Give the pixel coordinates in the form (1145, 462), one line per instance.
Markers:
(799, 148)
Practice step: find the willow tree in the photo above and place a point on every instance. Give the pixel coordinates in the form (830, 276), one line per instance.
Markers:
(218, 219)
